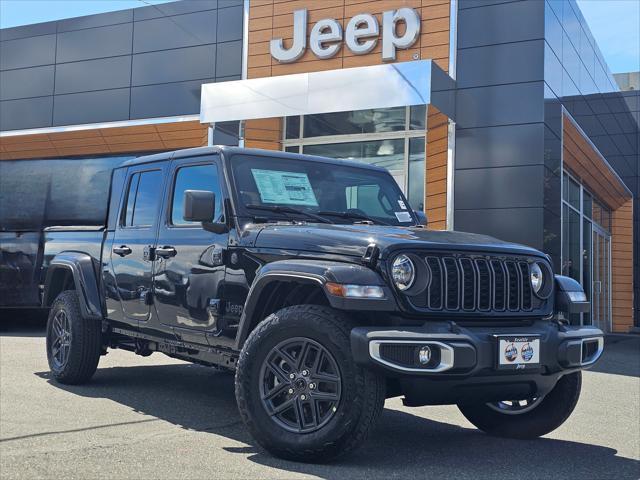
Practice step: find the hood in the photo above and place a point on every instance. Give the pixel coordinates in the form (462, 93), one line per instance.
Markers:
(353, 240)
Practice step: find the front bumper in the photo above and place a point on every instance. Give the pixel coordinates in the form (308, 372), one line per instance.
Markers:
(465, 365)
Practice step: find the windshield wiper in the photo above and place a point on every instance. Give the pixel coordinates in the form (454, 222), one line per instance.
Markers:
(357, 216)
(280, 209)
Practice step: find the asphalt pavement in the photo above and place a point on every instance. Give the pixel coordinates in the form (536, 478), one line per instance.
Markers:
(156, 417)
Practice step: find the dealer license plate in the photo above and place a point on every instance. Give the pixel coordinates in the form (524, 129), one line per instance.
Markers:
(518, 353)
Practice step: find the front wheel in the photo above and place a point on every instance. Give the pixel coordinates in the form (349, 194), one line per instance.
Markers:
(298, 389)
(530, 418)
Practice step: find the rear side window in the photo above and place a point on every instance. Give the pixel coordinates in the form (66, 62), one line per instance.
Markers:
(194, 177)
(143, 199)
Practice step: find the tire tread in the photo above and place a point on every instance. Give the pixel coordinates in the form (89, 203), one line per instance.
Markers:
(86, 337)
(337, 325)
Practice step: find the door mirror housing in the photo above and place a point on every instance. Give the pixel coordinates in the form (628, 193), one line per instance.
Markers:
(422, 217)
(199, 206)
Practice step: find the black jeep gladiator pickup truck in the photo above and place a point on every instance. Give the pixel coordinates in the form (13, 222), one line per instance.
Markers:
(313, 280)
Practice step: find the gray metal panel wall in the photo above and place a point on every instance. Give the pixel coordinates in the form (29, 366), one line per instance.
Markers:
(578, 79)
(500, 167)
(128, 64)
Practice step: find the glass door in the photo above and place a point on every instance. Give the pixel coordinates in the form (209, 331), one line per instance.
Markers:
(601, 290)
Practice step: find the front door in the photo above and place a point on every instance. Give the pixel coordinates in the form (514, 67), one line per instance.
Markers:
(135, 238)
(189, 271)
(601, 292)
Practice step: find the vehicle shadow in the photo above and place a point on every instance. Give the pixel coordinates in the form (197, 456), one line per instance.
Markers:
(197, 398)
(621, 356)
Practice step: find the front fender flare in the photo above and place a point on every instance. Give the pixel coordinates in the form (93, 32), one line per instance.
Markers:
(81, 267)
(319, 273)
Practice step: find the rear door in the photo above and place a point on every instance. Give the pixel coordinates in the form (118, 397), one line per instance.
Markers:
(135, 239)
(190, 270)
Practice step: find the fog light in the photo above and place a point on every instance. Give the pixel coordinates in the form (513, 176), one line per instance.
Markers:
(424, 355)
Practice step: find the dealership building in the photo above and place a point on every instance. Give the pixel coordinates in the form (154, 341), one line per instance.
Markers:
(498, 117)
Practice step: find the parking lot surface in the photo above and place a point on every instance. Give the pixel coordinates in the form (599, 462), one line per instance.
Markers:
(156, 417)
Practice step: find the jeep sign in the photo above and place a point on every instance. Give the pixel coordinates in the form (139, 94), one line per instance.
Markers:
(361, 35)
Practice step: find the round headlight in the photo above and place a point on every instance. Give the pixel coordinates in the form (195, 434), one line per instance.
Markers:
(403, 272)
(537, 278)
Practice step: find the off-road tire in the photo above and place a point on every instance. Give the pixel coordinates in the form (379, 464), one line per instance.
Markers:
(552, 411)
(363, 392)
(85, 342)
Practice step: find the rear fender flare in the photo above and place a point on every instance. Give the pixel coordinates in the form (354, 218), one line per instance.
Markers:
(81, 267)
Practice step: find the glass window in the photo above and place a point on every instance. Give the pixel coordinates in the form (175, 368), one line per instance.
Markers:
(415, 191)
(367, 197)
(586, 204)
(55, 191)
(226, 133)
(292, 149)
(586, 265)
(383, 153)
(606, 218)
(131, 198)
(142, 206)
(571, 254)
(351, 123)
(565, 187)
(574, 194)
(418, 117)
(339, 193)
(194, 177)
(292, 127)
(596, 213)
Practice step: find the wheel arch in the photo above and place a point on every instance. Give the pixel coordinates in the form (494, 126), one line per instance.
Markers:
(294, 282)
(73, 271)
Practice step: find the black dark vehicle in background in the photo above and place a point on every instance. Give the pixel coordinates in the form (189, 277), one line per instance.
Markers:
(313, 280)
(34, 195)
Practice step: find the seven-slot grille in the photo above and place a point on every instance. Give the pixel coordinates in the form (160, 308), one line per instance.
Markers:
(477, 284)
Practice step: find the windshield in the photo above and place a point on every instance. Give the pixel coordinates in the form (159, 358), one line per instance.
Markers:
(270, 189)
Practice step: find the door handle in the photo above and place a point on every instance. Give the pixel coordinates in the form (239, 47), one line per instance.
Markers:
(122, 250)
(165, 252)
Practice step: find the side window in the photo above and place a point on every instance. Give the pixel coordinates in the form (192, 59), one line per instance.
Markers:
(194, 177)
(143, 198)
(131, 199)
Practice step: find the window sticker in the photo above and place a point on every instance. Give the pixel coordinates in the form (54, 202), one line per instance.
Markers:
(403, 216)
(285, 188)
(402, 205)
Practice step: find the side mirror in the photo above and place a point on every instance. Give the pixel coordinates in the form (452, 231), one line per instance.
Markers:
(422, 217)
(199, 206)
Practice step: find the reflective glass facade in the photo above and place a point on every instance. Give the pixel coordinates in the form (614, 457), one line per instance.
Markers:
(393, 138)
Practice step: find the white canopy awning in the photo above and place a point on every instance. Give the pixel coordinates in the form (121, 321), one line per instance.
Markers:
(378, 86)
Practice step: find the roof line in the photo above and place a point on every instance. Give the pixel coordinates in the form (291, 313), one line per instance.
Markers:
(94, 126)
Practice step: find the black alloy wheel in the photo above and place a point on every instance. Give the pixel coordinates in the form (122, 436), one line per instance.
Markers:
(300, 385)
(74, 343)
(60, 339)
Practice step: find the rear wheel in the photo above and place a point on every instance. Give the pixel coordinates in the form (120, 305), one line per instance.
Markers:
(298, 389)
(529, 418)
(73, 342)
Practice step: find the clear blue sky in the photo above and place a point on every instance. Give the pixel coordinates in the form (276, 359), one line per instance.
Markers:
(615, 24)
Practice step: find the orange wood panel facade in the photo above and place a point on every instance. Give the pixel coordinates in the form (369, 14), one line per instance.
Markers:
(436, 169)
(274, 19)
(622, 267)
(586, 163)
(105, 141)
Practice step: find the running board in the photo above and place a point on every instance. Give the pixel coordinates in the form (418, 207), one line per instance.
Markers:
(193, 352)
